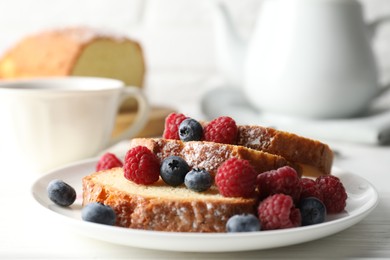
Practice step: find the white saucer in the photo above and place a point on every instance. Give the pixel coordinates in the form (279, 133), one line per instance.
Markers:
(362, 199)
(371, 128)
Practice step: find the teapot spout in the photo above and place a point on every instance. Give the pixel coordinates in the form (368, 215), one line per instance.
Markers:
(230, 48)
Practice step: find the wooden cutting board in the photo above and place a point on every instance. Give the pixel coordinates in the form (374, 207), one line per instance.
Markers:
(154, 127)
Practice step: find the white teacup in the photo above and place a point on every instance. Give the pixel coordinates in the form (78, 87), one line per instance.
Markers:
(48, 122)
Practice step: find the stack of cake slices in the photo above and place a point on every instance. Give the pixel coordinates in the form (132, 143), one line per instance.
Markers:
(161, 207)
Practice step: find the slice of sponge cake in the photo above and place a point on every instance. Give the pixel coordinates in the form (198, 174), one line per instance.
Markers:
(161, 207)
(314, 157)
(210, 155)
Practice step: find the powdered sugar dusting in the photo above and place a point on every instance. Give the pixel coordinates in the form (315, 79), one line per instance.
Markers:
(206, 155)
(166, 149)
(259, 138)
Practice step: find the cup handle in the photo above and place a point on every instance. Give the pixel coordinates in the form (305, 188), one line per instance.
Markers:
(142, 114)
(373, 27)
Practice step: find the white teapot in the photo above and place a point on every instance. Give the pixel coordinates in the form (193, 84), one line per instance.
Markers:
(306, 58)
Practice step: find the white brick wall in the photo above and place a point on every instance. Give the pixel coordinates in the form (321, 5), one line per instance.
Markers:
(176, 34)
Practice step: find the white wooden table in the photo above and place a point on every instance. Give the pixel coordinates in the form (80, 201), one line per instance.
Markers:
(26, 233)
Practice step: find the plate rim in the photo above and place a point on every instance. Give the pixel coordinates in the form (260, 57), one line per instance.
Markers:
(86, 227)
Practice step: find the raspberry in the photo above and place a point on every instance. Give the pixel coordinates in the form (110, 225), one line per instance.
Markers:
(277, 212)
(310, 189)
(334, 194)
(141, 166)
(283, 180)
(236, 178)
(221, 130)
(108, 161)
(172, 122)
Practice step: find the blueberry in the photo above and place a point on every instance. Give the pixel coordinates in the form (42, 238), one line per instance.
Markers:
(313, 211)
(190, 130)
(98, 213)
(173, 170)
(198, 180)
(243, 223)
(61, 193)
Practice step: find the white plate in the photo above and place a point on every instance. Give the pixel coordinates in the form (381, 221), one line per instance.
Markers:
(362, 199)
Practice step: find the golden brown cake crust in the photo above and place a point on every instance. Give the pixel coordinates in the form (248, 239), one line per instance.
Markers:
(210, 155)
(296, 149)
(136, 208)
(50, 53)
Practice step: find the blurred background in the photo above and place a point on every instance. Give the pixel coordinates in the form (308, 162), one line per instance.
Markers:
(177, 36)
(178, 42)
